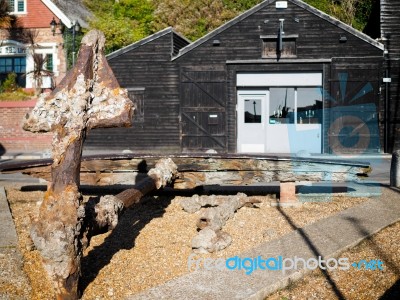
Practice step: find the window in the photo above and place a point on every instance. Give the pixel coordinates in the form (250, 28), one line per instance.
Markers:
(270, 46)
(16, 6)
(290, 105)
(309, 105)
(281, 105)
(49, 62)
(252, 111)
(137, 97)
(13, 64)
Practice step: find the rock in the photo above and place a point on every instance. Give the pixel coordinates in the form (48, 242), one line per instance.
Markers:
(208, 241)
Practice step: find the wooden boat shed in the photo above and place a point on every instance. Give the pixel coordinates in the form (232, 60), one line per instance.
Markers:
(283, 77)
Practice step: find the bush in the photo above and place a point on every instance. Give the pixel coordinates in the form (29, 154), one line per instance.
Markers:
(10, 91)
(10, 83)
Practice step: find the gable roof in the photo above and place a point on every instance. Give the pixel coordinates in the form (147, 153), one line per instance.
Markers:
(149, 39)
(59, 14)
(265, 3)
(69, 11)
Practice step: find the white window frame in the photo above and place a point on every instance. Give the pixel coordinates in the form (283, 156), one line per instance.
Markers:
(15, 11)
(279, 79)
(44, 48)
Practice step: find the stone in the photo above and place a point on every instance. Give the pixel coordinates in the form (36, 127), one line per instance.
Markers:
(287, 192)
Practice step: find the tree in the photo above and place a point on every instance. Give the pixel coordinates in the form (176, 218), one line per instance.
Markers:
(5, 17)
(39, 61)
(126, 21)
(352, 12)
(363, 13)
(240, 5)
(123, 22)
(193, 19)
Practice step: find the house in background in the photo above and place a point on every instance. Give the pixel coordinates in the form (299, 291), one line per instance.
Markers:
(33, 18)
(282, 77)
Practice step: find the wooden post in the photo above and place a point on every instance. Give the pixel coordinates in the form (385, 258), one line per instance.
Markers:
(395, 169)
(287, 195)
(88, 97)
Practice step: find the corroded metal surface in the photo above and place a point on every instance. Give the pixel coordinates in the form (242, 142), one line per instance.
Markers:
(85, 99)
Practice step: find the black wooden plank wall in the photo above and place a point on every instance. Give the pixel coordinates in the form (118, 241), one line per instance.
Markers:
(317, 39)
(182, 96)
(203, 107)
(394, 106)
(390, 31)
(148, 67)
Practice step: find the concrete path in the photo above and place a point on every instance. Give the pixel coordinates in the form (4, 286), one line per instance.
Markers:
(14, 284)
(326, 238)
(7, 230)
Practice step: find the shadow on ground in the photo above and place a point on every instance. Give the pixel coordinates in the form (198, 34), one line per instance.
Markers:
(122, 237)
(392, 293)
(306, 238)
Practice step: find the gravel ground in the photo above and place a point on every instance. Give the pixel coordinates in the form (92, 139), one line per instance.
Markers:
(153, 241)
(355, 284)
(14, 283)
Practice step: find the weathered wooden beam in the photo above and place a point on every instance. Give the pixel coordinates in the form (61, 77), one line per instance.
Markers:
(210, 170)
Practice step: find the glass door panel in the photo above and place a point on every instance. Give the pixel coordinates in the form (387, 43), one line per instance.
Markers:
(281, 105)
(309, 105)
(251, 121)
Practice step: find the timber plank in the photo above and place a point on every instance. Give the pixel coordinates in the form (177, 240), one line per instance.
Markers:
(203, 169)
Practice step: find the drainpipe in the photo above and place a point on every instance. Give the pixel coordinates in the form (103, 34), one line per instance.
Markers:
(387, 81)
(386, 149)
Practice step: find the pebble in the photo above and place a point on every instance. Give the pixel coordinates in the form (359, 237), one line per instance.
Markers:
(269, 233)
(137, 257)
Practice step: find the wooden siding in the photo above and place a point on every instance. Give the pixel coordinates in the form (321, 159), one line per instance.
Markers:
(318, 39)
(148, 66)
(178, 43)
(394, 106)
(203, 107)
(390, 26)
(182, 88)
(390, 31)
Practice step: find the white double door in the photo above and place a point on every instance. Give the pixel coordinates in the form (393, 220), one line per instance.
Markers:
(279, 120)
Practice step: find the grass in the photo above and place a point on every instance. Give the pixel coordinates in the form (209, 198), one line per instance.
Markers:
(18, 95)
